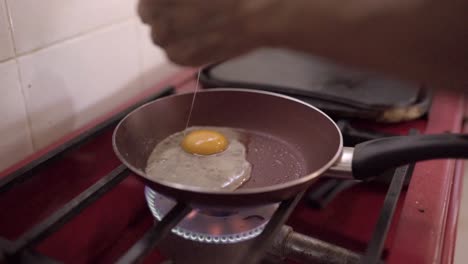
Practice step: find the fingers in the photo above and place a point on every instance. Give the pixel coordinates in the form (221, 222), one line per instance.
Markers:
(145, 10)
(203, 50)
(192, 53)
(149, 10)
(161, 33)
(170, 28)
(193, 32)
(172, 21)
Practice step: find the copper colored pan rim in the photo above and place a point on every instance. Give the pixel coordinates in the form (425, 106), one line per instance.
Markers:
(303, 180)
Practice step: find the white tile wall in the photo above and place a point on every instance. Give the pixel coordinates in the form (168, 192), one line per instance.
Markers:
(70, 84)
(154, 61)
(6, 45)
(66, 62)
(40, 23)
(15, 141)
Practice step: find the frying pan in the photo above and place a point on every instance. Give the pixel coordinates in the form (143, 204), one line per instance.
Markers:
(297, 129)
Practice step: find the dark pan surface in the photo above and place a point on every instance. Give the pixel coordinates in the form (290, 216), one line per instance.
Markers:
(268, 153)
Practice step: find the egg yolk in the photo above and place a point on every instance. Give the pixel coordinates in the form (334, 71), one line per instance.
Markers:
(204, 142)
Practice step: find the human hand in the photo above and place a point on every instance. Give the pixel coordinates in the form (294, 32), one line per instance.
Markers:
(196, 32)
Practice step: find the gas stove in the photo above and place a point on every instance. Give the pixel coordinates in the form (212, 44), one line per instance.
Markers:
(74, 202)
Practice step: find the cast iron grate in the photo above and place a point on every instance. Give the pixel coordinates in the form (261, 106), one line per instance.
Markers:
(21, 250)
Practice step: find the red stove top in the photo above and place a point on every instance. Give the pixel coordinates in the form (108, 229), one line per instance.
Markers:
(423, 228)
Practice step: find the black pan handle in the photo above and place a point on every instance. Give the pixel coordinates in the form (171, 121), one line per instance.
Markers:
(373, 157)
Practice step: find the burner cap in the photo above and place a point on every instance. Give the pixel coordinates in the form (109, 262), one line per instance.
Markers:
(217, 226)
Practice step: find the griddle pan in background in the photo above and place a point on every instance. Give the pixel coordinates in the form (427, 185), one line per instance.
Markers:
(338, 91)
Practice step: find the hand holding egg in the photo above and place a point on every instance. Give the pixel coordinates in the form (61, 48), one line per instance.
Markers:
(196, 32)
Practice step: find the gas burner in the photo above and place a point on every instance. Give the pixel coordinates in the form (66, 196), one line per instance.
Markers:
(216, 226)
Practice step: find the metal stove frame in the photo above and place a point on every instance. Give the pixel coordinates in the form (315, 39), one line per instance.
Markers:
(21, 250)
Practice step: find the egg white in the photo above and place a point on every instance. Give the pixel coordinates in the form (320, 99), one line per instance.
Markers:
(226, 170)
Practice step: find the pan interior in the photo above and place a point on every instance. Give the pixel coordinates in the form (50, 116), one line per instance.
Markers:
(275, 161)
(286, 140)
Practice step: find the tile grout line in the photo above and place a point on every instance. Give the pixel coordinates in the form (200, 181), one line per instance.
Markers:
(140, 55)
(7, 59)
(56, 42)
(18, 55)
(9, 56)
(75, 36)
(459, 256)
(20, 77)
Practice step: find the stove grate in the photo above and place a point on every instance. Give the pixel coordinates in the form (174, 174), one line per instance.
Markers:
(20, 250)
